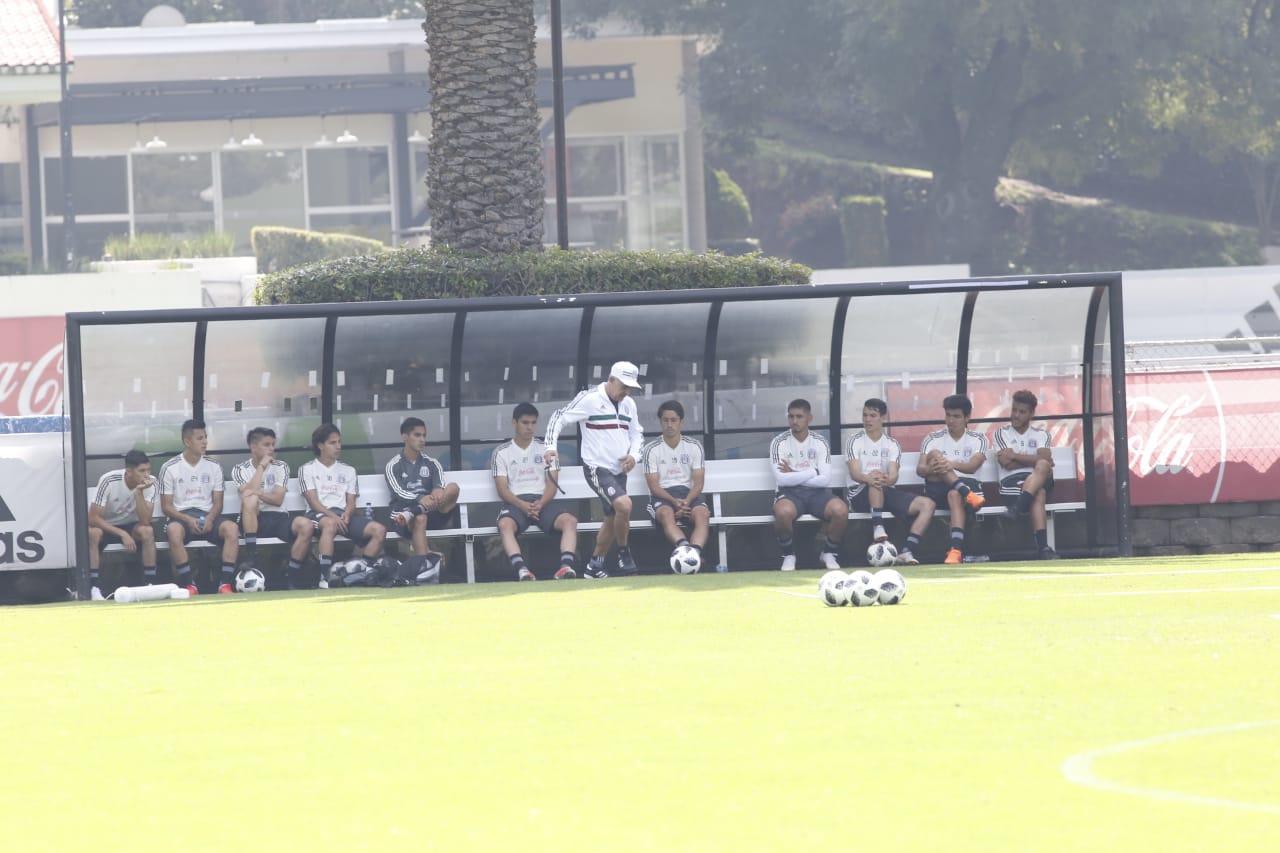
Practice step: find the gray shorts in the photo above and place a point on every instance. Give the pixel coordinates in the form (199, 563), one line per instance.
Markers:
(608, 485)
(809, 500)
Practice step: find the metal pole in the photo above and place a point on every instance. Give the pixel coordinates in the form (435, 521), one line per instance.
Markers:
(557, 111)
(64, 127)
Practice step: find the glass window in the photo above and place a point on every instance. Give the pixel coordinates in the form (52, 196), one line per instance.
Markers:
(376, 226)
(263, 373)
(676, 336)
(99, 185)
(663, 156)
(261, 188)
(418, 157)
(173, 193)
(11, 238)
(91, 237)
(348, 177)
(10, 191)
(388, 368)
(592, 225)
(768, 354)
(594, 167)
(137, 387)
(510, 357)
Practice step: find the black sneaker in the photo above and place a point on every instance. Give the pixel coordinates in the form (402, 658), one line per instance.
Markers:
(595, 569)
(626, 563)
(1048, 554)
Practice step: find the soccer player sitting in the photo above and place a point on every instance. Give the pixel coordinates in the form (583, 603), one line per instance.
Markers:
(522, 479)
(949, 458)
(802, 468)
(191, 498)
(674, 470)
(1027, 461)
(420, 498)
(121, 512)
(330, 487)
(873, 456)
(263, 480)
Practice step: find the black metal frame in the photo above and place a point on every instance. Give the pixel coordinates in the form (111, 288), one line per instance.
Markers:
(1099, 311)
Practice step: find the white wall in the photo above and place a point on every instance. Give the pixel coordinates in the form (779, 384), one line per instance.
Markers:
(50, 295)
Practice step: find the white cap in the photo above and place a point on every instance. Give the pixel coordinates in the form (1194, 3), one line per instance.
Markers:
(626, 373)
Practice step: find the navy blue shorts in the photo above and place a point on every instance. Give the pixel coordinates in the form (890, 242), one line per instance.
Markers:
(278, 525)
(938, 491)
(679, 492)
(546, 521)
(1011, 488)
(895, 501)
(809, 500)
(213, 537)
(355, 527)
(435, 520)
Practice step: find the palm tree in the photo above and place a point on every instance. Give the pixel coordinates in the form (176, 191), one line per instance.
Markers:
(484, 176)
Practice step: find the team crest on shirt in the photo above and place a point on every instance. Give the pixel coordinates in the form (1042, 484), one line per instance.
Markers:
(204, 478)
(271, 480)
(684, 458)
(342, 478)
(537, 459)
(424, 471)
(813, 454)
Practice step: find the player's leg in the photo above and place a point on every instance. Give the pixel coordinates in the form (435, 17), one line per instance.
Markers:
(418, 533)
(595, 567)
(302, 529)
(1040, 521)
(145, 535)
(250, 505)
(956, 504)
(449, 499)
(229, 533)
(665, 516)
(564, 522)
(836, 515)
(785, 512)
(622, 534)
(875, 505)
(701, 515)
(176, 532)
(508, 530)
(327, 527)
(95, 562)
(920, 510)
(374, 536)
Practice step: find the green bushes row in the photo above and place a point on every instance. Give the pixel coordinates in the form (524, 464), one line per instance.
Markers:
(146, 246)
(279, 248)
(441, 273)
(12, 263)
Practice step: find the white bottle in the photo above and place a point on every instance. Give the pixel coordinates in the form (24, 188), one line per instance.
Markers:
(151, 592)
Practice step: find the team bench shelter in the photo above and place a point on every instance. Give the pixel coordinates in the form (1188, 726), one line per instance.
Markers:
(733, 357)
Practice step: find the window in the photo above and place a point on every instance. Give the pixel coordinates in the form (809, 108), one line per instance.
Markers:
(261, 188)
(173, 193)
(11, 208)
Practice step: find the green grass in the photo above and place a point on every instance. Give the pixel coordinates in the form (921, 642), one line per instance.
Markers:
(713, 712)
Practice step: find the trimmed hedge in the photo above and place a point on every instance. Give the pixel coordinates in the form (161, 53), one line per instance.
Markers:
(442, 273)
(728, 212)
(12, 263)
(281, 248)
(866, 239)
(154, 246)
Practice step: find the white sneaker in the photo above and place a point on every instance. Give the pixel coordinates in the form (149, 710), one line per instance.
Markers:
(789, 563)
(95, 594)
(829, 560)
(878, 534)
(906, 558)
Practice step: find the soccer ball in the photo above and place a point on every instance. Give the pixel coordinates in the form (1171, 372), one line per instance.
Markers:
(250, 580)
(685, 560)
(862, 589)
(354, 572)
(833, 588)
(891, 586)
(881, 554)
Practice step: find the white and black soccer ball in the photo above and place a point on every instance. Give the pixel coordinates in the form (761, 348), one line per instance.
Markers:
(862, 589)
(685, 560)
(881, 554)
(354, 572)
(250, 580)
(891, 586)
(833, 588)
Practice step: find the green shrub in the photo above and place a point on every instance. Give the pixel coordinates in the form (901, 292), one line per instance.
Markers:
(441, 273)
(148, 246)
(13, 263)
(728, 211)
(281, 248)
(866, 239)
(811, 229)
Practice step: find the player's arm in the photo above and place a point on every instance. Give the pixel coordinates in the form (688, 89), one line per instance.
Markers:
(854, 465)
(698, 477)
(215, 511)
(96, 520)
(349, 512)
(146, 505)
(503, 485)
(975, 461)
(656, 490)
(312, 497)
(637, 441)
(254, 483)
(561, 418)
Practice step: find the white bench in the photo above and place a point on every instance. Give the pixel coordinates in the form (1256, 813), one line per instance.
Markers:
(723, 477)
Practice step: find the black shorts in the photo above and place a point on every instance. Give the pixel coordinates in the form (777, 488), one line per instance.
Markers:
(1011, 488)
(355, 527)
(112, 539)
(809, 500)
(435, 520)
(213, 537)
(546, 520)
(937, 492)
(278, 525)
(895, 501)
(679, 492)
(608, 485)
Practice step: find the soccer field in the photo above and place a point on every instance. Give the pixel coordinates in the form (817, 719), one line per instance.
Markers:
(1073, 705)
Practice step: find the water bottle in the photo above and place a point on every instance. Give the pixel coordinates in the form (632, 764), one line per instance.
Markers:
(368, 511)
(976, 558)
(722, 568)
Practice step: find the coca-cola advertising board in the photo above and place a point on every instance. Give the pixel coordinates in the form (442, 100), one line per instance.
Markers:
(31, 368)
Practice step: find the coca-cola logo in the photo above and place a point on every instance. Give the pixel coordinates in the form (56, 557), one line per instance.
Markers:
(30, 388)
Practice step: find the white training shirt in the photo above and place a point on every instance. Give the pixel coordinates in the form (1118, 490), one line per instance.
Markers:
(119, 502)
(673, 465)
(523, 467)
(331, 484)
(872, 455)
(810, 460)
(958, 450)
(191, 486)
(610, 430)
(1023, 443)
(276, 475)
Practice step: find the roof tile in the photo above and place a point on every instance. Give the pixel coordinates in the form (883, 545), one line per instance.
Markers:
(28, 39)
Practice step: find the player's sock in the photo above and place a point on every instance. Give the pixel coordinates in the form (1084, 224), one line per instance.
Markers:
(1042, 538)
(877, 515)
(228, 572)
(251, 547)
(326, 563)
(788, 545)
(148, 574)
(596, 561)
(682, 542)
(913, 542)
(95, 578)
(962, 488)
(1024, 503)
(183, 572)
(829, 546)
(697, 548)
(517, 562)
(291, 572)
(957, 538)
(568, 558)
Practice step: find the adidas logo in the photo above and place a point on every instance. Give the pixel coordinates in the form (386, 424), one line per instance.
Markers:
(6, 514)
(23, 546)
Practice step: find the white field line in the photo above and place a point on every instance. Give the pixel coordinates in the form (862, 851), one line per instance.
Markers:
(1202, 591)
(1079, 769)
(1074, 576)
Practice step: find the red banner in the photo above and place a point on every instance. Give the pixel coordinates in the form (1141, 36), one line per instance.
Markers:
(31, 366)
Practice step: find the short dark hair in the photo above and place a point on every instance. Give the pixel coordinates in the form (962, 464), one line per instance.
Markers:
(134, 458)
(799, 403)
(524, 410)
(190, 425)
(1026, 398)
(258, 433)
(672, 406)
(958, 401)
(320, 435)
(411, 423)
(876, 403)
